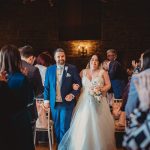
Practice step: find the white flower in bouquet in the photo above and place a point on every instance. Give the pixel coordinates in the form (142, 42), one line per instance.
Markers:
(95, 91)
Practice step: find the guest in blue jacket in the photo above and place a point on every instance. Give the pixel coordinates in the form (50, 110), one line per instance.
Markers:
(133, 100)
(15, 94)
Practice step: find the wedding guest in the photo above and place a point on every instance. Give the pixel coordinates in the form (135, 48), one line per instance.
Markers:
(28, 57)
(133, 101)
(16, 131)
(43, 61)
(116, 74)
(138, 134)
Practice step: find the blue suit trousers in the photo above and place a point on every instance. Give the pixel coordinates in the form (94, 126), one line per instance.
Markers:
(62, 118)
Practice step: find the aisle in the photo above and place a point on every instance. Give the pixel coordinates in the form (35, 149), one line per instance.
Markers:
(44, 147)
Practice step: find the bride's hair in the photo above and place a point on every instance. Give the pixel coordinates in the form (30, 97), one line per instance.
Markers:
(88, 64)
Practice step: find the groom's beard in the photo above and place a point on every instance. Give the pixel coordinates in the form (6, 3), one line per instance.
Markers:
(61, 62)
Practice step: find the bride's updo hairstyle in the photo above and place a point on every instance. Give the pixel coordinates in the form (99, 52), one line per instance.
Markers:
(88, 65)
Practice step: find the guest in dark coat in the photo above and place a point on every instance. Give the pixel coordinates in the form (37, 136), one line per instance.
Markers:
(116, 74)
(28, 57)
(16, 130)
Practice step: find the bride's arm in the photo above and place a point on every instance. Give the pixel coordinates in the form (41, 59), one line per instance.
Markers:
(107, 84)
(76, 86)
(81, 73)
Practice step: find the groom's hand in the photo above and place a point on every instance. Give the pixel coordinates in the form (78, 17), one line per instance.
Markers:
(75, 86)
(69, 97)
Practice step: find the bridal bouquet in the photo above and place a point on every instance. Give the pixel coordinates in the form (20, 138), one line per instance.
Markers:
(95, 91)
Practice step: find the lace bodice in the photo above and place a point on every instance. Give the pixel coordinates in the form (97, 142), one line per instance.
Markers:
(98, 80)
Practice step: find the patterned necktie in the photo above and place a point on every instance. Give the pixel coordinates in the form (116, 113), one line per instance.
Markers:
(59, 77)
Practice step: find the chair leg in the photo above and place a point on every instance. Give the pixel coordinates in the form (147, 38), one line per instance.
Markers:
(35, 137)
(52, 134)
(49, 138)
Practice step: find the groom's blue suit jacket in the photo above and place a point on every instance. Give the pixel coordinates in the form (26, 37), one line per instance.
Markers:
(70, 76)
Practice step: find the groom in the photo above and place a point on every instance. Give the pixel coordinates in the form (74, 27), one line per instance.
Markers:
(59, 93)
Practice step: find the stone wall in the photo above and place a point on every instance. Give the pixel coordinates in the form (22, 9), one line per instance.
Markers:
(123, 25)
(34, 23)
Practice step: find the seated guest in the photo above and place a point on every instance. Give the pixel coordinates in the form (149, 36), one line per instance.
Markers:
(15, 93)
(132, 101)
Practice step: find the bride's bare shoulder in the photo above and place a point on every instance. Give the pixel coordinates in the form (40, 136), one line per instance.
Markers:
(102, 72)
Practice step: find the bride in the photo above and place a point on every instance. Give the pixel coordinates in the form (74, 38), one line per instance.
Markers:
(92, 126)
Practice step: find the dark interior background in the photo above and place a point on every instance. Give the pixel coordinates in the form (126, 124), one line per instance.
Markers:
(119, 24)
(79, 19)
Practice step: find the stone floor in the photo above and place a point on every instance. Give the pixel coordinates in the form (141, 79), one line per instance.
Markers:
(45, 147)
(118, 135)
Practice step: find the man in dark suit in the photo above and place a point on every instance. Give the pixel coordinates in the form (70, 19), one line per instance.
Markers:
(59, 93)
(115, 74)
(28, 57)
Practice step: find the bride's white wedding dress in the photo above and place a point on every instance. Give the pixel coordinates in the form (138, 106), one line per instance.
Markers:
(92, 126)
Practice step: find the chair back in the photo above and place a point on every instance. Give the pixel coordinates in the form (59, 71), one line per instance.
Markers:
(116, 107)
(44, 122)
(43, 115)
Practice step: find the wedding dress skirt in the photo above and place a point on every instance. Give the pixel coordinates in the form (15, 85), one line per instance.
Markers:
(92, 125)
